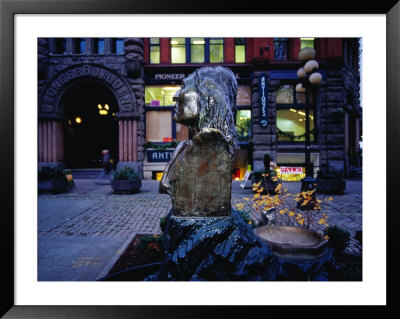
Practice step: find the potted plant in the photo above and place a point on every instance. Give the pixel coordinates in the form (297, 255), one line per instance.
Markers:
(52, 180)
(330, 181)
(266, 179)
(126, 181)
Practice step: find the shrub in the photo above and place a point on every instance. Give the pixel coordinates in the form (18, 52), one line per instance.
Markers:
(152, 244)
(125, 174)
(51, 173)
(338, 238)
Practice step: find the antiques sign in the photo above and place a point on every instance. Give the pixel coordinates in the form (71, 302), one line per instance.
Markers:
(263, 100)
(159, 155)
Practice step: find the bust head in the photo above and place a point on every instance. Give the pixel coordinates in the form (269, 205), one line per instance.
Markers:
(208, 99)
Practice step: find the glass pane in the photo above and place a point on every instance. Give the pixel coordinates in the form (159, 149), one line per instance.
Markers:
(216, 50)
(100, 46)
(240, 53)
(243, 96)
(291, 125)
(154, 40)
(284, 94)
(160, 95)
(197, 50)
(182, 132)
(281, 48)
(119, 44)
(301, 98)
(243, 125)
(307, 42)
(178, 50)
(158, 125)
(60, 46)
(154, 54)
(82, 45)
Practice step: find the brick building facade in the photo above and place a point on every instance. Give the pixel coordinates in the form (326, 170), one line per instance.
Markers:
(137, 78)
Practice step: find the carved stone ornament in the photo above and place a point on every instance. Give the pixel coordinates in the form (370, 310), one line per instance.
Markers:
(199, 175)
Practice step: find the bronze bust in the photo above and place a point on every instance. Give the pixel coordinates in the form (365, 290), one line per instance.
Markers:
(199, 175)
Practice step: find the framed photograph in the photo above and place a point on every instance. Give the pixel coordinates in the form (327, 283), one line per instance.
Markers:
(46, 48)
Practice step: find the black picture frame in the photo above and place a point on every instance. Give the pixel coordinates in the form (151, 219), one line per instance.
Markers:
(8, 10)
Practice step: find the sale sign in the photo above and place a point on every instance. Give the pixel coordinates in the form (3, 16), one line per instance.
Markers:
(291, 170)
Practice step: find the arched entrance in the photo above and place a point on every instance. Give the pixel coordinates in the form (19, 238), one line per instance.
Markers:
(91, 125)
(76, 90)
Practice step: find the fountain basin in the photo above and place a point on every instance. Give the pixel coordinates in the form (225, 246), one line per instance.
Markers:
(293, 242)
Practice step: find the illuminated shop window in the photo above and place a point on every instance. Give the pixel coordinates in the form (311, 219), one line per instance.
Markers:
(160, 95)
(281, 48)
(243, 125)
(178, 50)
(240, 50)
(243, 96)
(290, 173)
(291, 125)
(306, 42)
(216, 50)
(158, 125)
(154, 50)
(197, 50)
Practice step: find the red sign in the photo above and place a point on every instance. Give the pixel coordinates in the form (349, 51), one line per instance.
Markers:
(291, 170)
(167, 139)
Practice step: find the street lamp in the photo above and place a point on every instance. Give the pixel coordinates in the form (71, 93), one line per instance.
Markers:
(309, 76)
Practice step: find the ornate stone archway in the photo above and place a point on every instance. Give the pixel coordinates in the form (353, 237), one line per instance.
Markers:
(51, 113)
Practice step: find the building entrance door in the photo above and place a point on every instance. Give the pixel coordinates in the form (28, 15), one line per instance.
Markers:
(91, 124)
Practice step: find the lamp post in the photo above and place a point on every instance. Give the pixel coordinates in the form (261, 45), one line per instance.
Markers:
(309, 77)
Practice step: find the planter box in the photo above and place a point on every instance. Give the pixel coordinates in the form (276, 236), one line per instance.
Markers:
(126, 186)
(53, 186)
(333, 187)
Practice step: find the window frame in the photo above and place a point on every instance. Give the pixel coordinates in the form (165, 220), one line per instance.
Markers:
(287, 51)
(159, 50)
(295, 105)
(236, 45)
(245, 108)
(188, 51)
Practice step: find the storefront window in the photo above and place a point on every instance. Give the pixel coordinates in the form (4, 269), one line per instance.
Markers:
(240, 50)
(281, 48)
(178, 50)
(197, 50)
(284, 94)
(154, 50)
(243, 96)
(216, 50)
(160, 95)
(307, 42)
(291, 173)
(291, 125)
(158, 125)
(243, 125)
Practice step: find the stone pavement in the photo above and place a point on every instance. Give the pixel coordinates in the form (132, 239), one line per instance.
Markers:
(82, 233)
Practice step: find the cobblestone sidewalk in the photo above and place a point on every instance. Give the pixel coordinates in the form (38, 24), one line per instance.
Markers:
(121, 215)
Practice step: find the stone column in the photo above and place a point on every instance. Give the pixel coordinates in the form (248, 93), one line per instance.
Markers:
(131, 129)
(50, 143)
(128, 144)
